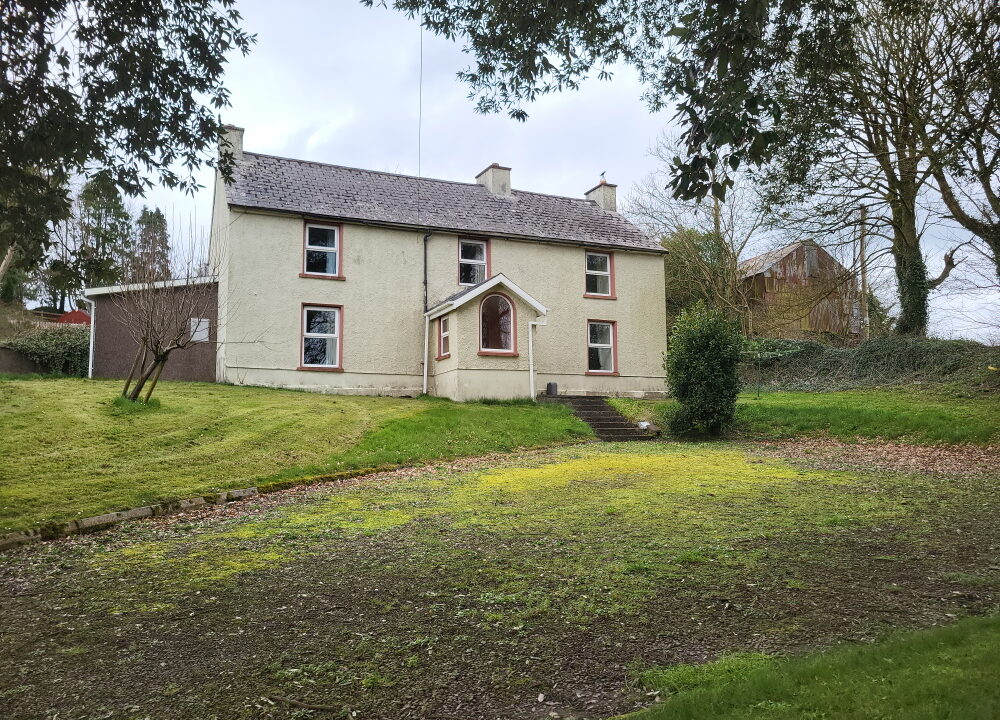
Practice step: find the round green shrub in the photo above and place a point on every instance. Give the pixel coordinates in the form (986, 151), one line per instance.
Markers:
(702, 370)
(63, 350)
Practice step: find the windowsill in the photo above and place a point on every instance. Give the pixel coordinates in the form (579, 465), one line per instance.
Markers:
(499, 353)
(602, 372)
(443, 357)
(319, 276)
(600, 297)
(317, 368)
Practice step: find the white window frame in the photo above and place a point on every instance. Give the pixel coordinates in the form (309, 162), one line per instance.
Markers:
(613, 335)
(306, 334)
(199, 329)
(608, 274)
(485, 262)
(512, 350)
(321, 248)
(444, 334)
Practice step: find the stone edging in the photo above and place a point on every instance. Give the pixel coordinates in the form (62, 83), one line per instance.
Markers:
(101, 522)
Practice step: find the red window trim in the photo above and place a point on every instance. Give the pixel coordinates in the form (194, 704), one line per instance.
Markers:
(441, 355)
(340, 339)
(340, 250)
(611, 273)
(458, 252)
(513, 328)
(614, 348)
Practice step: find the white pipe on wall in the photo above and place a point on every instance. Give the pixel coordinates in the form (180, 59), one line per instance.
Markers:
(93, 330)
(531, 356)
(427, 333)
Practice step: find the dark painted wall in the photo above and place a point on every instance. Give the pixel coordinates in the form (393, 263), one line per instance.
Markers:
(114, 349)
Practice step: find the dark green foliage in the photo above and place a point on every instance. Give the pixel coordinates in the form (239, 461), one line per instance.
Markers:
(911, 279)
(63, 350)
(891, 360)
(714, 57)
(702, 370)
(153, 244)
(128, 90)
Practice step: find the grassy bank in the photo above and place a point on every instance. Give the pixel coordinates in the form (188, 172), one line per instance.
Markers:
(69, 450)
(947, 672)
(905, 414)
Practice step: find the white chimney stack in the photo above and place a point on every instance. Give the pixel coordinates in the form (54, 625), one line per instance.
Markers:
(234, 137)
(496, 179)
(605, 195)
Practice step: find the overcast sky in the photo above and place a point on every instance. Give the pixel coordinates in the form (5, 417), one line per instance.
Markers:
(333, 81)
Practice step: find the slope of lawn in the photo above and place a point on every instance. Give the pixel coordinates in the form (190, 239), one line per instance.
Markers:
(946, 672)
(906, 414)
(70, 451)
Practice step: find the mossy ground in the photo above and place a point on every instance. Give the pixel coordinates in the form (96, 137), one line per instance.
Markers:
(530, 584)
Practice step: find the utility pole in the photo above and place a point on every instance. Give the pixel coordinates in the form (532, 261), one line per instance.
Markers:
(864, 272)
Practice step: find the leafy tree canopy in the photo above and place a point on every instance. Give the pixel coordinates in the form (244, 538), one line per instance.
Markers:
(123, 88)
(714, 57)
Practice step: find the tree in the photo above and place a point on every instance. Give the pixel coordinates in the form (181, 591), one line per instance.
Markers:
(158, 315)
(128, 90)
(855, 140)
(959, 124)
(715, 57)
(91, 247)
(153, 242)
(705, 239)
(702, 370)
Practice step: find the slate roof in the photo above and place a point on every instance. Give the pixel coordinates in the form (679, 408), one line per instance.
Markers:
(332, 191)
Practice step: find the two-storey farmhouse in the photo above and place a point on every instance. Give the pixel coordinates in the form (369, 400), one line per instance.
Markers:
(353, 281)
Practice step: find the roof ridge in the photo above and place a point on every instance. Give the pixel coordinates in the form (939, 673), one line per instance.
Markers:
(412, 177)
(365, 170)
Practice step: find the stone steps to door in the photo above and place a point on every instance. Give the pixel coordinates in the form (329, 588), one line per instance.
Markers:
(607, 423)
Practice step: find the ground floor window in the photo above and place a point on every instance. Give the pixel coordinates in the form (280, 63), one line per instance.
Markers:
(321, 326)
(601, 340)
(444, 338)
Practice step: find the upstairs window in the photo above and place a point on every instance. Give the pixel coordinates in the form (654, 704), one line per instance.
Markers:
(321, 336)
(600, 275)
(497, 326)
(444, 338)
(601, 339)
(473, 262)
(322, 252)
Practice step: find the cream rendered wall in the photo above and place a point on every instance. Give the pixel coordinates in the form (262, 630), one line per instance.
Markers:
(382, 299)
(261, 295)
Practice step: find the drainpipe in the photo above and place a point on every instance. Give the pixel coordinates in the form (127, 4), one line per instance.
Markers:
(93, 329)
(427, 333)
(531, 355)
(427, 321)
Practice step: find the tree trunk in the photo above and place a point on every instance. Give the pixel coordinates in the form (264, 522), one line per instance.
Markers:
(911, 270)
(141, 382)
(156, 377)
(140, 357)
(8, 258)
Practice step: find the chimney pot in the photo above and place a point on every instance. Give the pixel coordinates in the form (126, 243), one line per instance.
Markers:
(496, 179)
(605, 194)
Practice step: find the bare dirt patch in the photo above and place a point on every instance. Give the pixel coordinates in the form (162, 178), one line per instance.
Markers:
(535, 590)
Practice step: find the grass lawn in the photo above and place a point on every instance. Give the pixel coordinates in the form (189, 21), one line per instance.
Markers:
(947, 672)
(69, 451)
(551, 581)
(906, 414)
